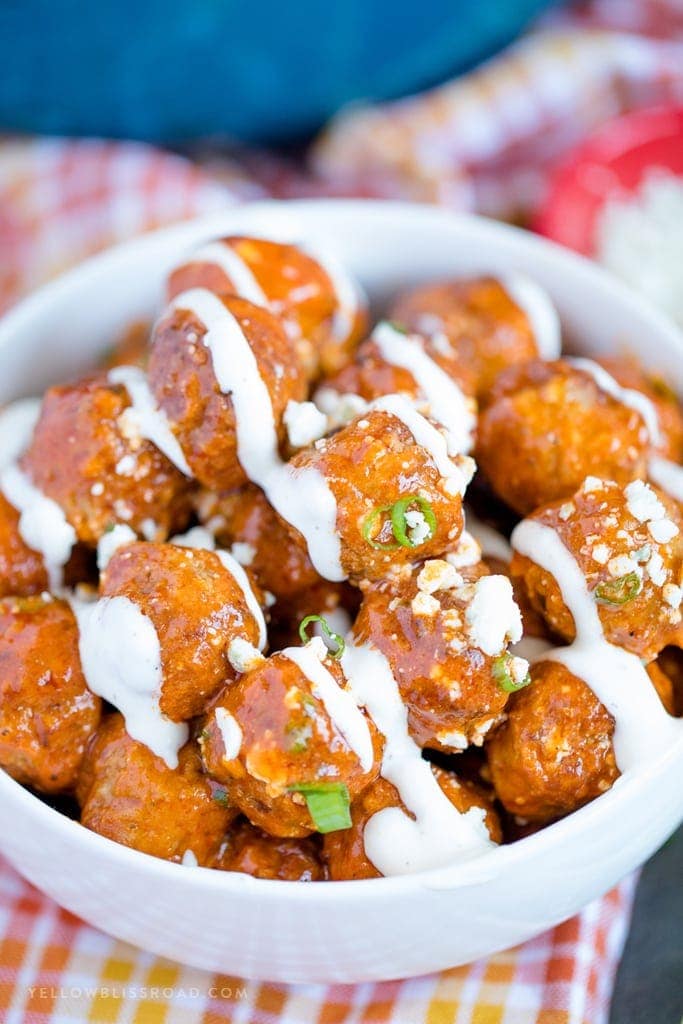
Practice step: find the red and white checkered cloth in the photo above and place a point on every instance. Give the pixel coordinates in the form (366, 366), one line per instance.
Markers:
(484, 142)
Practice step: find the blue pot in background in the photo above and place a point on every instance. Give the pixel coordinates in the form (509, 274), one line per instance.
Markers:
(259, 71)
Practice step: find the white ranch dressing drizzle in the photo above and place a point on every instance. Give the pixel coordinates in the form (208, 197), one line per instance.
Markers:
(439, 834)
(667, 475)
(200, 539)
(537, 305)
(146, 418)
(635, 400)
(301, 497)
(616, 677)
(427, 436)
(447, 403)
(221, 254)
(121, 659)
(42, 524)
(230, 731)
(340, 705)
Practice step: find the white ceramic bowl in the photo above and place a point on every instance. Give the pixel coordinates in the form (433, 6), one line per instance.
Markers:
(342, 931)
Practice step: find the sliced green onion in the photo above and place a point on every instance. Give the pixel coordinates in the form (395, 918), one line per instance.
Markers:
(338, 641)
(221, 797)
(619, 591)
(368, 528)
(503, 676)
(397, 326)
(328, 804)
(399, 526)
(398, 519)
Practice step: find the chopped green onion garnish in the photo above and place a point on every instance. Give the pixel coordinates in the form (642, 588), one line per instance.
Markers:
(328, 804)
(338, 641)
(221, 797)
(399, 524)
(401, 328)
(503, 676)
(619, 591)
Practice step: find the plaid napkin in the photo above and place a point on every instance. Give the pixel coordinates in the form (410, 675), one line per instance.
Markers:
(484, 142)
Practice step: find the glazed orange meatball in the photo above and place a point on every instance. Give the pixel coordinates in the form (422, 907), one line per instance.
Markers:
(373, 373)
(47, 713)
(395, 502)
(324, 313)
(272, 740)
(628, 372)
(629, 547)
(245, 521)
(477, 319)
(253, 852)
(129, 795)
(554, 751)
(87, 456)
(183, 379)
(344, 852)
(547, 427)
(22, 570)
(445, 638)
(198, 610)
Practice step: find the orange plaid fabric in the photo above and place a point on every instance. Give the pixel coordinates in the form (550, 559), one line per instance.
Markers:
(54, 969)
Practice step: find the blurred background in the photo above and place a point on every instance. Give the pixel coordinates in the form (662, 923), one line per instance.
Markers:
(117, 118)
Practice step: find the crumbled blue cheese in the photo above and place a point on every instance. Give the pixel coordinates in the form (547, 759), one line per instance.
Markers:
(492, 615)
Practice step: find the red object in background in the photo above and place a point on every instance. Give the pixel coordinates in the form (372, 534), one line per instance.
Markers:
(610, 164)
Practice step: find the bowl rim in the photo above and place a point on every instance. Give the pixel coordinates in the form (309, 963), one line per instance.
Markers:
(465, 873)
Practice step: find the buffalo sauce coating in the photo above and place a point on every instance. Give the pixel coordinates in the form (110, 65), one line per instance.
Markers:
(22, 570)
(547, 426)
(251, 851)
(632, 565)
(554, 751)
(47, 713)
(85, 458)
(282, 735)
(477, 320)
(628, 373)
(368, 466)
(183, 380)
(418, 620)
(196, 607)
(344, 851)
(129, 795)
(294, 286)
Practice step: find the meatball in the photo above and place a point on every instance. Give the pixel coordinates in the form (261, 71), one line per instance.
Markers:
(22, 570)
(488, 324)
(47, 713)
(87, 455)
(445, 638)
(253, 852)
(344, 852)
(287, 737)
(245, 522)
(628, 373)
(628, 545)
(199, 610)
(129, 795)
(319, 304)
(398, 494)
(548, 426)
(184, 378)
(393, 362)
(554, 751)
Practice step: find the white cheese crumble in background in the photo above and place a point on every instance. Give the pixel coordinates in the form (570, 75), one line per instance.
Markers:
(640, 239)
